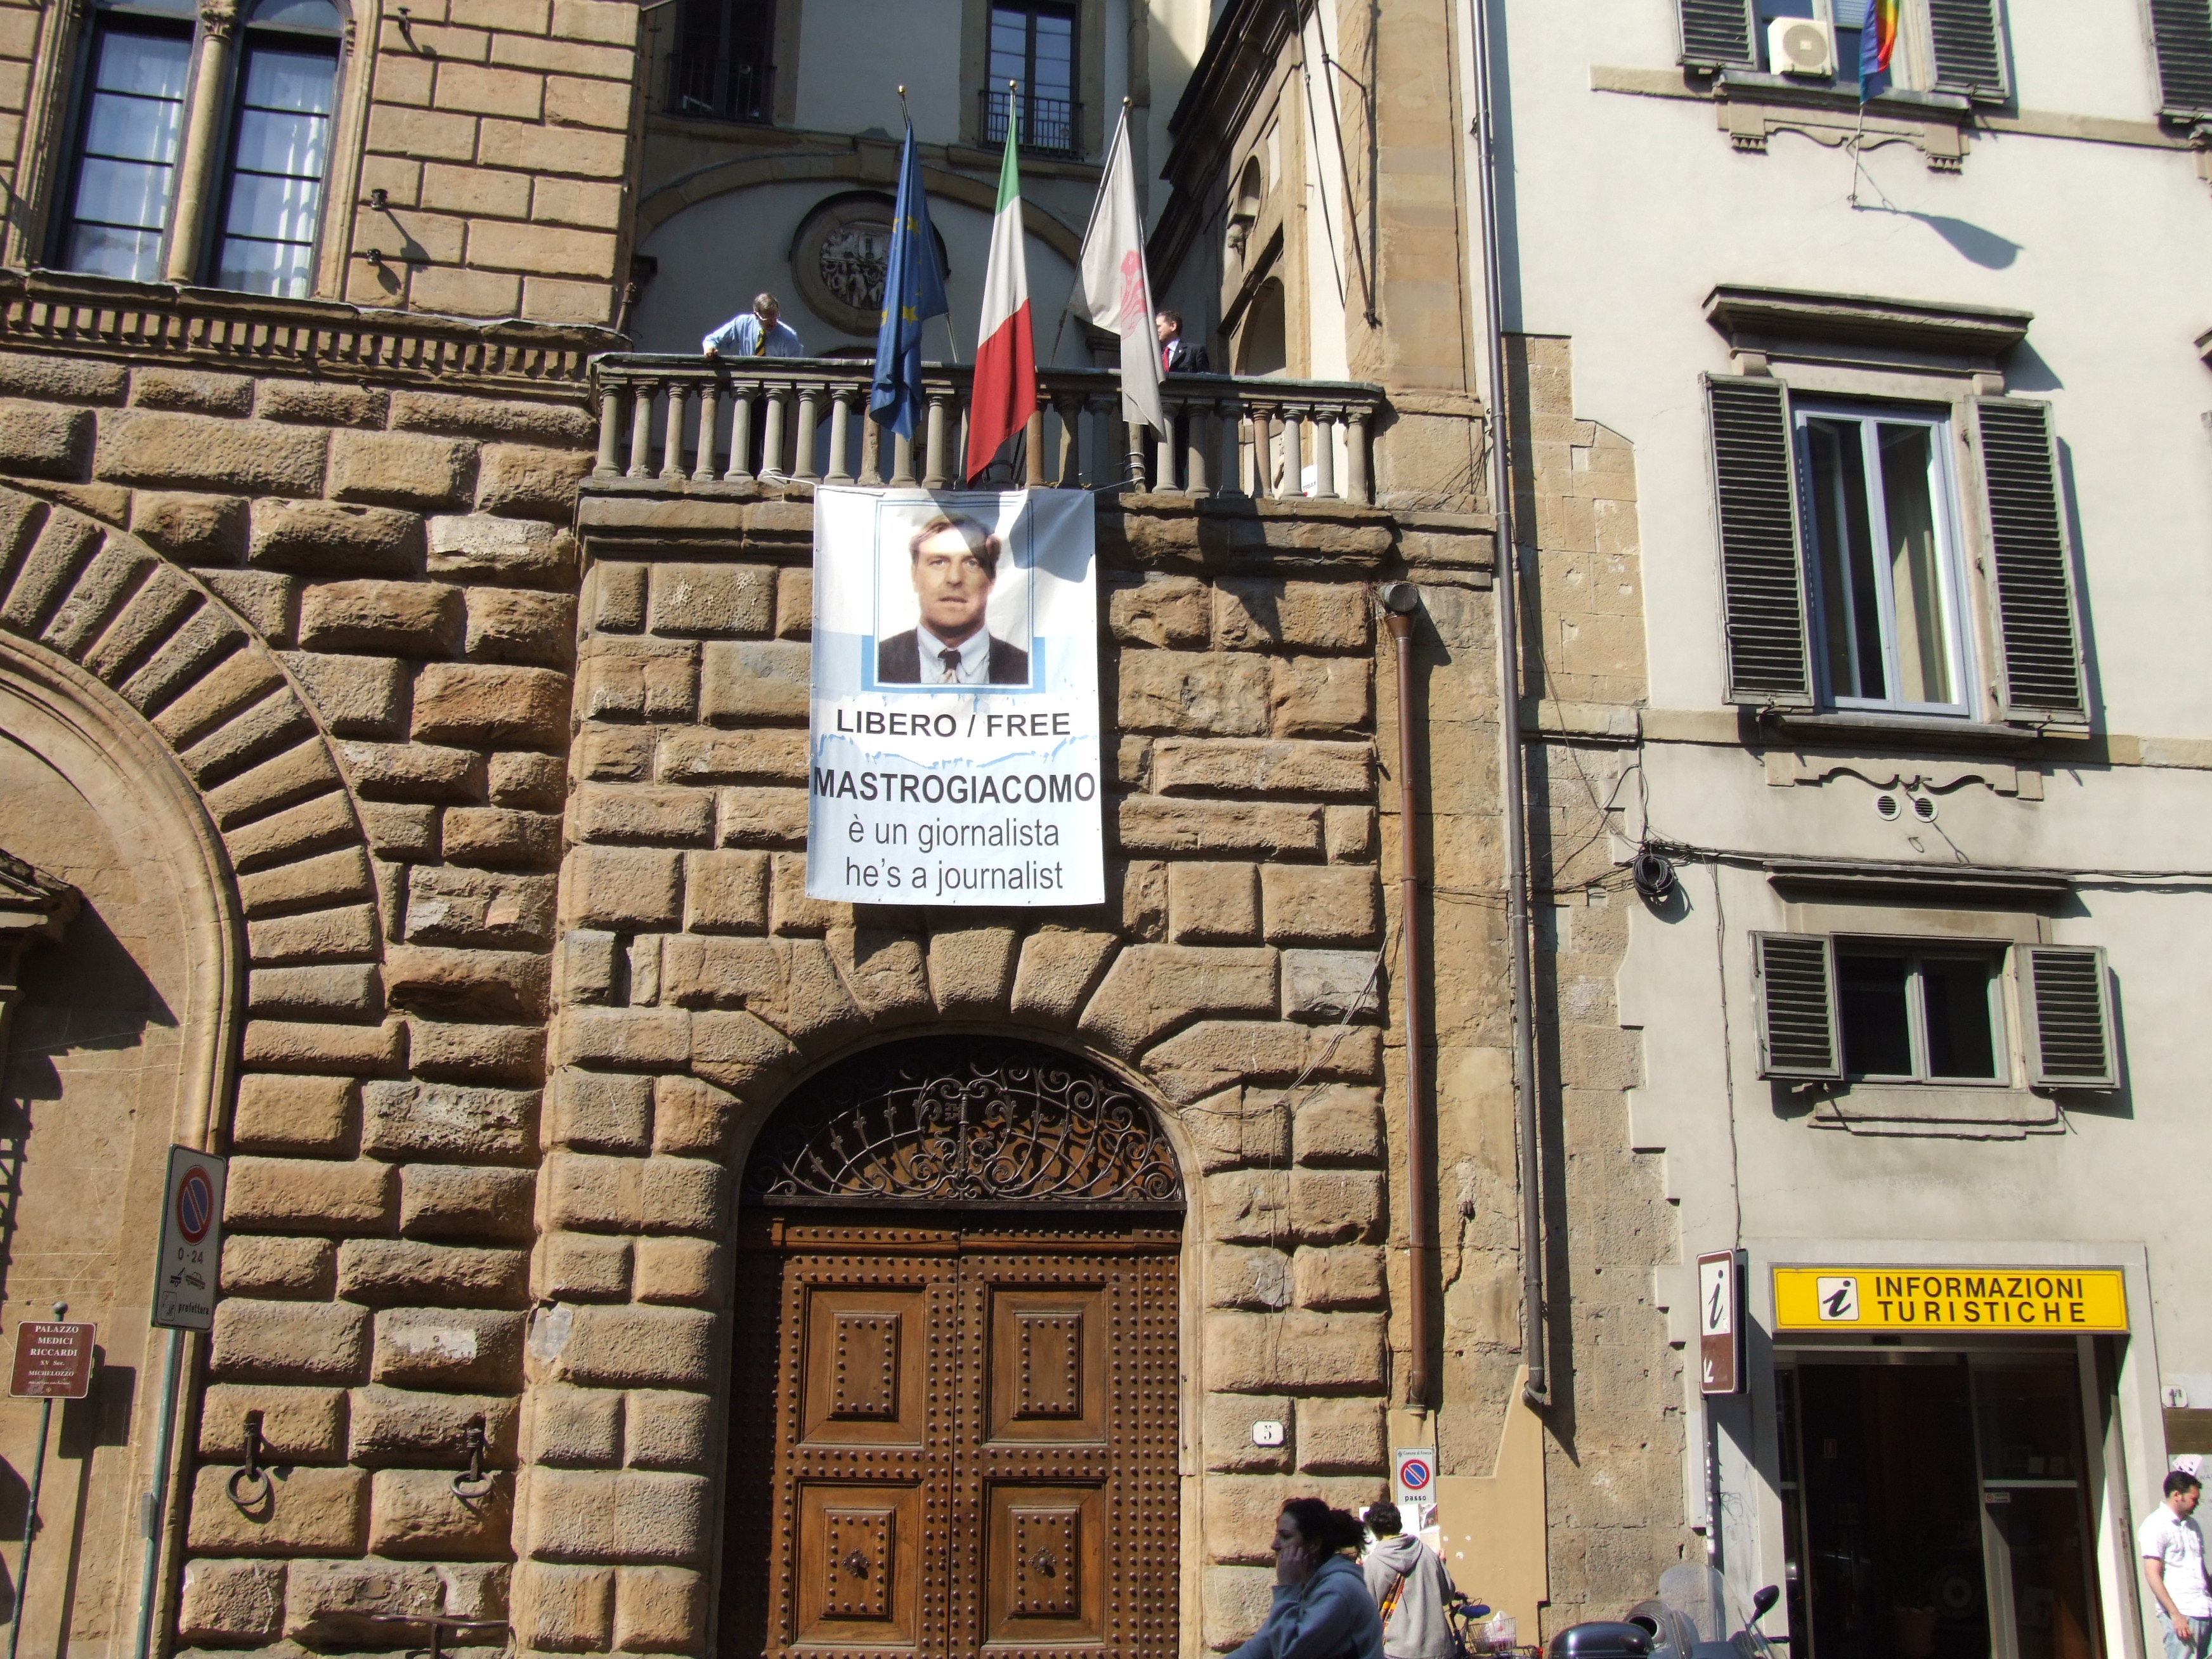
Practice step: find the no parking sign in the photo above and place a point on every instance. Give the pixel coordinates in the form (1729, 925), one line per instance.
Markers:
(1413, 1472)
(187, 1277)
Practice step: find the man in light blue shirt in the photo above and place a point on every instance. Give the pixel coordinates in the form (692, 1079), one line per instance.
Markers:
(754, 333)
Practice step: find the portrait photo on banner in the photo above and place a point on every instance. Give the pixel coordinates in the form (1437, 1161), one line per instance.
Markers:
(954, 594)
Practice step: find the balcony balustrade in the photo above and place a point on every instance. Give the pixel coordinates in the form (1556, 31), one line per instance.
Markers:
(681, 423)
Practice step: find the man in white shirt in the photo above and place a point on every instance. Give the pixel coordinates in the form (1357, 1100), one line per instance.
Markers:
(955, 564)
(2174, 1561)
(759, 332)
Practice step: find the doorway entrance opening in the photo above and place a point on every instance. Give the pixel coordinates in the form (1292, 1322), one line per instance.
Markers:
(954, 1387)
(1940, 1505)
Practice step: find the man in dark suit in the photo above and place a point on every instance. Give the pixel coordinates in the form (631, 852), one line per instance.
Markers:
(954, 561)
(1177, 355)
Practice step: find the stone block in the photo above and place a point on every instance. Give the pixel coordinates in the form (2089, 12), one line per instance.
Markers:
(1202, 692)
(576, 1428)
(971, 969)
(712, 600)
(493, 1053)
(667, 1430)
(1341, 1437)
(74, 381)
(341, 992)
(1237, 1601)
(405, 619)
(581, 1267)
(637, 679)
(589, 1192)
(1257, 613)
(249, 457)
(311, 1195)
(43, 440)
(406, 1425)
(765, 818)
(1253, 766)
(1330, 988)
(690, 1117)
(761, 755)
(341, 1603)
(398, 469)
(1239, 1514)
(190, 391)
(1344, 1276)
(1248, 1206)
(462, 984)
(659, 1610)
(590, 968)
(448, 1200)
(1160, 610)
(1256, 1352)
(413, 771)
(491, 705)
(625, 1517)
(231, 1604)
(1058, 968)
(678, 1271)
(1237, 1277)
(263, 600)
(356, 697)
(309, 1512)
(563, 1609)
(513, 624)
(399, 835)
(795, 602)
(447, 1348)
(479, 907)
(754, 679)
(1157, 823)
(1213, 903)
(538, 782)
(518, 552)
(1320, 696)
(413, 1118)
(643, 814)
(260, 1266)
(282, 1114)
(1332, 1205)
(600, 1112)
(298, 1426)
(740, 1051)
(1215, 1054)
(298, 1046)
(726, 892)
(416, 1512)
(625, 889)
(323, 403)
(1151, 989)
(1320, 904)
(635, 1038)
(389, 1272)
(641, 1347)
(1226, 1434)
(555, 423)
(330, 538)
(1338, 1124)
(1239, 1128)
(525, 481)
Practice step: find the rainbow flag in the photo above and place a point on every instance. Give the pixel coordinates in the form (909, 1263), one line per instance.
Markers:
(1877, 45)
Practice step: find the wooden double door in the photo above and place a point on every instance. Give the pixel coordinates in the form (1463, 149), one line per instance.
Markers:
(952, 1438)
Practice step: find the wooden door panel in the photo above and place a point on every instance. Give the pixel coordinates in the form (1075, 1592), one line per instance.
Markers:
(1042, 1557)
(863, 1367)
(859, 1565)
(1048, 1376)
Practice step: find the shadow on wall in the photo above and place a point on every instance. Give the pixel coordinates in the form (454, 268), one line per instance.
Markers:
(86, 993)
(1984, 247)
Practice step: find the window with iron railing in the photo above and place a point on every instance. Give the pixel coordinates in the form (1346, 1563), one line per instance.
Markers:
(722, 68)
(1034, 46)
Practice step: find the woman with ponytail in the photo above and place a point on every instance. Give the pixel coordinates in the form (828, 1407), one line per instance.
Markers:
(1322, 1609)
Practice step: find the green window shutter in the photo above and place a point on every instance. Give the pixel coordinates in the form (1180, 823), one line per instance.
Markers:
(1762, 570)
(2030, 563)
(1970, 56)
(1798, 1032)
(1717, 34)
(2181, 37)
(2068, 1018)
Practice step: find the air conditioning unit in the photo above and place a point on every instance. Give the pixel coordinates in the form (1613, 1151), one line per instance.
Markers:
(1801, 46)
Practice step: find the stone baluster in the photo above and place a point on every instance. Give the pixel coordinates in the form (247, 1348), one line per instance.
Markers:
(672, 433)
(771, 466)
(802, 459)
(902, 462)
(842, 399)
(609, 461)
(1263, 451)
(1164, 451)
(1033, 450)
(1294, 456)
(741, 432)
(1356, 457)
(1101, 466)
(871, 451)
(640, 430)
(1324, 453)
(710, 416)
(1232, 447)
(1069, 407)
(933, 477)
(1199, 415)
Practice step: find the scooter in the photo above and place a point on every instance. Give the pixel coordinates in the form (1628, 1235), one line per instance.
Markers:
(1690, 1617)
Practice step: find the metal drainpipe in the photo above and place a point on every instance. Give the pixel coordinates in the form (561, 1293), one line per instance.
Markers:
(1401, 600)
(1513, 786)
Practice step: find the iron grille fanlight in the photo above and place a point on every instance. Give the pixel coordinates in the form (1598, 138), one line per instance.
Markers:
(940, 1123)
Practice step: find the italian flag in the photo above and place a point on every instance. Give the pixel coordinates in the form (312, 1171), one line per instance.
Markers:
(1005, 356)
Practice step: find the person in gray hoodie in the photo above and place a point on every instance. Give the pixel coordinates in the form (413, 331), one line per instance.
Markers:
(1321, 1609)
(1412, 1588)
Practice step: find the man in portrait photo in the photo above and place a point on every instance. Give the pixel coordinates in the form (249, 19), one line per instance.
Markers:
(954, 562)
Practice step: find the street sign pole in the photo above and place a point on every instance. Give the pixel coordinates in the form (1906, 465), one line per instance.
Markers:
(30, 1527)
(52, 1362)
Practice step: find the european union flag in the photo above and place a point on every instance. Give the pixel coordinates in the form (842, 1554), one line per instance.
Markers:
(914, 292)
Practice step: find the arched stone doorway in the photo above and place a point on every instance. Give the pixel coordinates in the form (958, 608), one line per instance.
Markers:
(954, 1387)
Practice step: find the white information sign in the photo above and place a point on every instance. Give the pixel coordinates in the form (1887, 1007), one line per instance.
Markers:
(186, 1280)
(954, 747)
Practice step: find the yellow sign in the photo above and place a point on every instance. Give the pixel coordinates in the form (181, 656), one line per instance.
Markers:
(1949, 1299)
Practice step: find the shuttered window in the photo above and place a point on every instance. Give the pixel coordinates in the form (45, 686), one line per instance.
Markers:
(1717, 33)
(2069, 1017)
(1969, 44)
(1796, 980)
(2181, 35)
(1762, 570)
(2032, 565)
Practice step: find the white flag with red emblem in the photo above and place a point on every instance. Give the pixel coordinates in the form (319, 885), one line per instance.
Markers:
(1114, 289)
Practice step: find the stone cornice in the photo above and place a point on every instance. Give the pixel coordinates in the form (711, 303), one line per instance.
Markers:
(1772, 320)
(154, 322)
